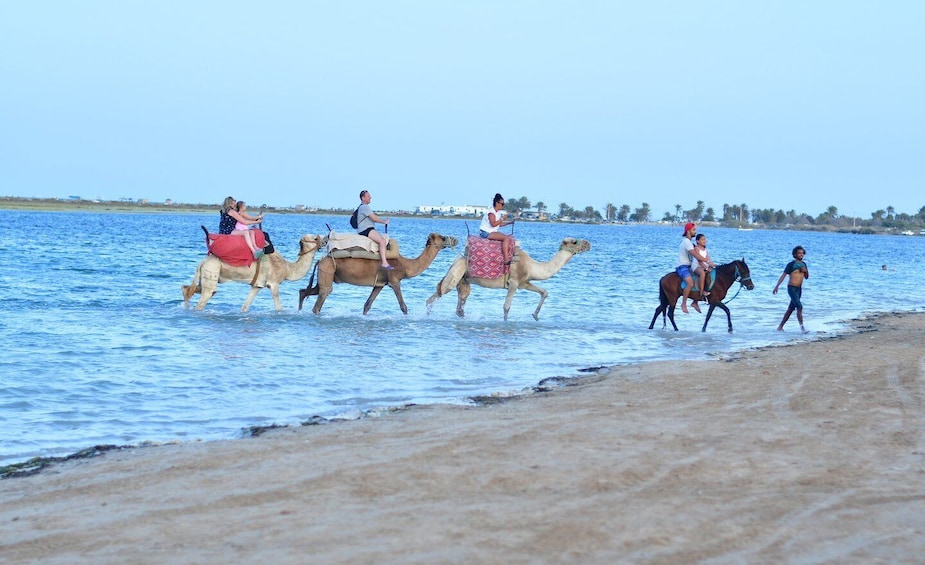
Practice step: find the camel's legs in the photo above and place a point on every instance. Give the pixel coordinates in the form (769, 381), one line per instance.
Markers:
(543, 294)
(250, 298)
(396, 286)
(511, 289)
(325, 286)
(430, 301)
(372, 297)
(274, 291)
(463, 288)
(209, 283)
(189, 291)
(322, 296)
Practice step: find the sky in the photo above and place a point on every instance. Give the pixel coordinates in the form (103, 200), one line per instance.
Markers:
(789, 105)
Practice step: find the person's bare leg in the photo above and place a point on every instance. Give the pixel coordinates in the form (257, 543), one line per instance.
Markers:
(789, 311)
(687, 293)
(800, 319)
(375, 236)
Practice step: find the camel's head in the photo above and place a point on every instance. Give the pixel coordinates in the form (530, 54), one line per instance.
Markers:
(442, 241)
(309, 243)
(575, 246)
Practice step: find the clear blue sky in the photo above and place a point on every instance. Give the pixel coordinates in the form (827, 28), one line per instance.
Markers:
(789, 105)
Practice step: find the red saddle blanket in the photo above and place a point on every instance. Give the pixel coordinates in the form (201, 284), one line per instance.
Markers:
(486, 260)
(232, 249)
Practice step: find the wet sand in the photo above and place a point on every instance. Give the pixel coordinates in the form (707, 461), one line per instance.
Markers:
(807, 453)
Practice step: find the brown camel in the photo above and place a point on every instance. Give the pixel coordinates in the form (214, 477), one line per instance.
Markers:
(273, 270)
(367, 272)
(523, 270)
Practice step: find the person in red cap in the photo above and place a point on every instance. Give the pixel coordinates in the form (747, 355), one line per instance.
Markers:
(686, 251)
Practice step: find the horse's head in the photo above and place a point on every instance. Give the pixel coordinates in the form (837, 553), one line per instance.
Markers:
(575, 246)
(742, 274)
(442, 241)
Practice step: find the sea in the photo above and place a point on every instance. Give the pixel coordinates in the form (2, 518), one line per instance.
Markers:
(100, 349)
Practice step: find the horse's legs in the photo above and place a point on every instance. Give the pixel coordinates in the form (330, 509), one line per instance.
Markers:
(659, 310)
(671, 316)
(728, 315)
(707, 321)
(725, 309)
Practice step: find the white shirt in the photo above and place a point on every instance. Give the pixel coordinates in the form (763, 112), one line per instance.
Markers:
(684, 256)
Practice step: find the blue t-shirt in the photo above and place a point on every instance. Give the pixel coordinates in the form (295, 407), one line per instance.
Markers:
(794, 266)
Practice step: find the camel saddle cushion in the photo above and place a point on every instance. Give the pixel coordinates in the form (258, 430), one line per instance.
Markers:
(341, 245)
(232, 249)
(486, 260)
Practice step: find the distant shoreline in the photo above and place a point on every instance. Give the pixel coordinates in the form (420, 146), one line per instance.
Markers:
(112, 206)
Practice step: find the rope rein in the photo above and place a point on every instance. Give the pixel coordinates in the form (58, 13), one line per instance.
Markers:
(735, 278)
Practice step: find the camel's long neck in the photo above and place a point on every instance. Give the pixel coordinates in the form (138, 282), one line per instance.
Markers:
(418, 265)
(301, 266)
(543, 271)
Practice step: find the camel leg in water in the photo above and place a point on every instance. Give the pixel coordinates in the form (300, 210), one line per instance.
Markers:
(250, 298)
(209, 284)
(543, 294)
(463, 289)
(372, 297)
(396, 286)
(322, 296)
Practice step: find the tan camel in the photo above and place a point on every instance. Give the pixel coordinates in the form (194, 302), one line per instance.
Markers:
(367, 272)
(274, 269)
(523, 270)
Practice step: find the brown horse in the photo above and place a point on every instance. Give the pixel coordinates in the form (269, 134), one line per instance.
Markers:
(669, 290)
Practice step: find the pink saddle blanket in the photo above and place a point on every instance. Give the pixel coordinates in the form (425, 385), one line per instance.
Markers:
(486, 260)
(232, 249)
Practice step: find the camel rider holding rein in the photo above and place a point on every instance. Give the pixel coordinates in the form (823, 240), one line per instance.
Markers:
(366, 225)
(686, 251)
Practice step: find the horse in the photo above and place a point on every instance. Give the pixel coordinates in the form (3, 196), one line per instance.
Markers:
(669, 289)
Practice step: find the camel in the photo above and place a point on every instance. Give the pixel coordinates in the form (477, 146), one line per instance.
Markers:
(523, 270)
(273, 270)
(367, 272)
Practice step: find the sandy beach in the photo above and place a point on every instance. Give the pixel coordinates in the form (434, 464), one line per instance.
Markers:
(809, 453)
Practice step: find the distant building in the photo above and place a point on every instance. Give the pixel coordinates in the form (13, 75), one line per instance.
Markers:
(451, 210)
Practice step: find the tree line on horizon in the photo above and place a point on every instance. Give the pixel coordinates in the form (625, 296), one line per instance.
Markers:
(734, 214)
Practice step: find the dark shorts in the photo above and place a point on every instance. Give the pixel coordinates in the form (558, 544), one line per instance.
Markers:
(483, 233)
(683, 271)
(796, 293)
(366, 231)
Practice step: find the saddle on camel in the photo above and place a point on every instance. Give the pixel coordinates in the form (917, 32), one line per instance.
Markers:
(486, 259)
(354, 245)
(233, 250)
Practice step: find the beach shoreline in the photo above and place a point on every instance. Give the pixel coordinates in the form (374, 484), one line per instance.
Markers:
(809, 451)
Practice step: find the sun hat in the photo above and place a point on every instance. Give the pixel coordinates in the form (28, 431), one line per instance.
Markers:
(687, 227)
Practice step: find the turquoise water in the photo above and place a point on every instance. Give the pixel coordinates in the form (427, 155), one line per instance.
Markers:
(99, 348)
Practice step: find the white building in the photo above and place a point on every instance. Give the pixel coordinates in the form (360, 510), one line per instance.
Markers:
(452, 210)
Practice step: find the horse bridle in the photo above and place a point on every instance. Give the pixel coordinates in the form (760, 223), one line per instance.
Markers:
(738, 276)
